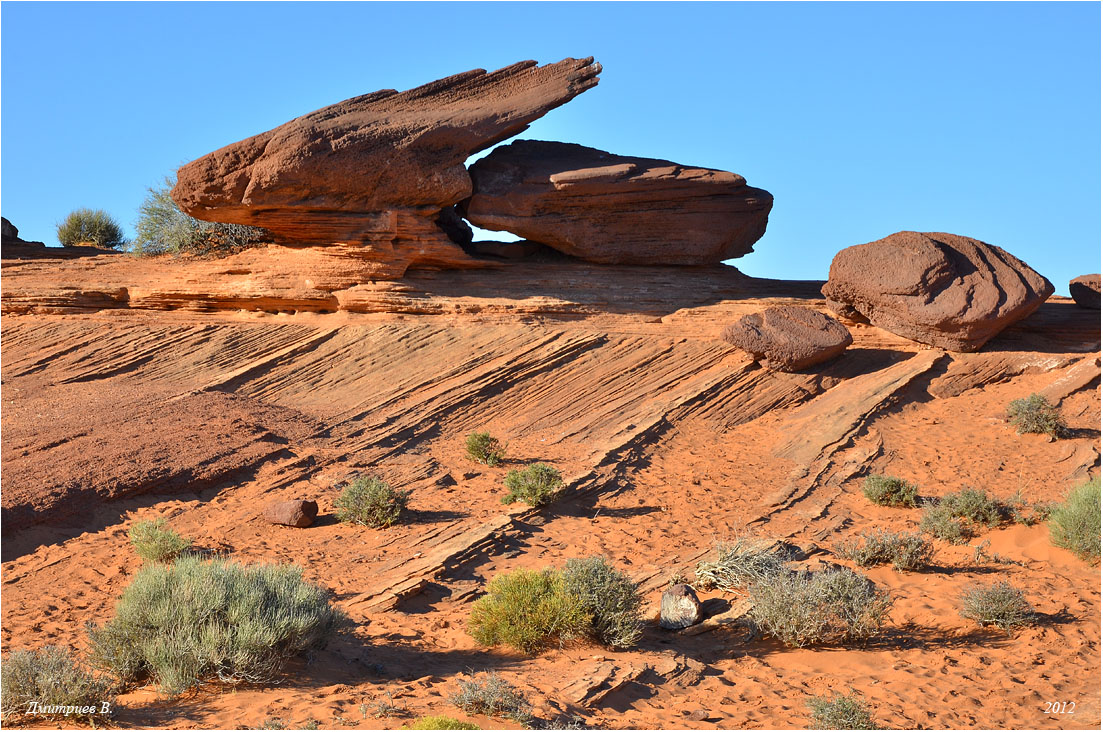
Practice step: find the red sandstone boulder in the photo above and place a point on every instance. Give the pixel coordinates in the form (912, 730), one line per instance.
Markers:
(615, 209)
(941, 289)
(789, 338)
(299, 514)
(1085, 291)
(679, 608)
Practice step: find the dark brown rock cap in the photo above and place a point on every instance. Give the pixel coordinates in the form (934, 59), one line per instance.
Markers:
(789, 337)
(1085, 291)
(298, 513)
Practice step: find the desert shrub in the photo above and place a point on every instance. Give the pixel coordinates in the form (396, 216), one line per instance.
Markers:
(886, 491)
(840, 711)
(1001, 604)
(441, 722)
(535, 485)
(800, 608)
(154, 541)
(181, 623)
(527, 610)
(494, 697)
(738, 563)
(956, 517)
(51, 677)
(1074, 524)
(482, 448)
(901, 550)
(88, 226)
(609, 597)
(940, 522)
(1036, 414)
(162, 228)
(371, 502)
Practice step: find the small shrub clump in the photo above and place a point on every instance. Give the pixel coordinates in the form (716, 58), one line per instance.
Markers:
(88, 226)
(609, 597)
(902, 550)
(1001, 604)
(536, 485)
(162, 228)
(739, 563)
(1074, 524)
(1035, 414)
(494, 697)
(154, 541)
(440, 721)
(50, 683)
(527, 610)
(886, 491)
(482, 448)
(181, 623)
(841, 711)
(800, 608)
(371, 502)
(957, 517)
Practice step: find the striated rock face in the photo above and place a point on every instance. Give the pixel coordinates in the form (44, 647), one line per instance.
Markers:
(941, 289)
(375, 171)
(614, 209)
(1085, 291)
(788, 337)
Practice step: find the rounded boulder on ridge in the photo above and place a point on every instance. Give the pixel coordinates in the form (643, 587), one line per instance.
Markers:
(1085, 291)
(789, 337)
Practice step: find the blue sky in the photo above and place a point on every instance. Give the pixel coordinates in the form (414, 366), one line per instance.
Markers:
(981, 119)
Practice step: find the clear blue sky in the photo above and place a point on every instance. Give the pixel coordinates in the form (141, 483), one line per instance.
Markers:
(862, 119)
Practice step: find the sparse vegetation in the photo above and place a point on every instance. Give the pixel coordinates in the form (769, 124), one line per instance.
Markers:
(527, 610)
(1037, 415)
(371, 502)
(494, 697)
(738, 563)
(90, 226)
(536, 485)
(181, 623)
(840, 711)
(609, 597)
(1001, 604)
(53, 679)
(154, 541)
(1074, 524)
(887, 491)
(162, 228)
(482, 448)
(441, 722)
(902, 550)
(956, 517)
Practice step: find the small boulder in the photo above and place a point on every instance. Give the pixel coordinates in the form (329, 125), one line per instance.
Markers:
(1085, 291)
(789, 337)
(299, 514)
(679, 608)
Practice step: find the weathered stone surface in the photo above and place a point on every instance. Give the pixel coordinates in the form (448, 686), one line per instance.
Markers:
(679, 608)
(614, 209)
(375, 171)
(299, 514)
(508, 249)
(1085, 291)
(941, 289)
(789, 337)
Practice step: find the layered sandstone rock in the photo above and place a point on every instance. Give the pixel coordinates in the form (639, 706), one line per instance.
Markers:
(789, 338)
(614, 209)
(941, 289)
(1085, 291)
(374, 172)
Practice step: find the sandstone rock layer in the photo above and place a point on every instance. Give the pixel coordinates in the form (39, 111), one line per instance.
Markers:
(1085, 291)
(941, 289)
(789, 337)
(614, 209)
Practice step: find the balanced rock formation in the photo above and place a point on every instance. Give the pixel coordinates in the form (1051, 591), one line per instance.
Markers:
(299, 514)
(788, 337)
(614, 209)
(944, 290)
(679, 608)
(372, 174)
(1085, 291)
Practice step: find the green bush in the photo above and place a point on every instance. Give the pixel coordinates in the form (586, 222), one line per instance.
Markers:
(441, 722)
(800, 608)
(51, 677)
(527, 610)
(940, 522)
(536, 485)
(88, 226)
(482, 448)
(902, 550)
(1036, 414)
(738, 563)
(609, 597)
(886, 491)
(371, 502)
(957, 516)
(841, 711)
(181, 623)
(162, 228)
(494, 697)
(1000, 604)
(1074, 524)
(154, 541)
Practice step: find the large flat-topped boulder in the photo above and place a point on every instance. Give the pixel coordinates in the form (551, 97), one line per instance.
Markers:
(615, 209)
(941, 289)
(377, 169)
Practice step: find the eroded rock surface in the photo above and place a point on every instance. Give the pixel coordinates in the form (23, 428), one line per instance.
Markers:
(1085, 291)
(789, 337)
(614, 209)
(941, 289)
